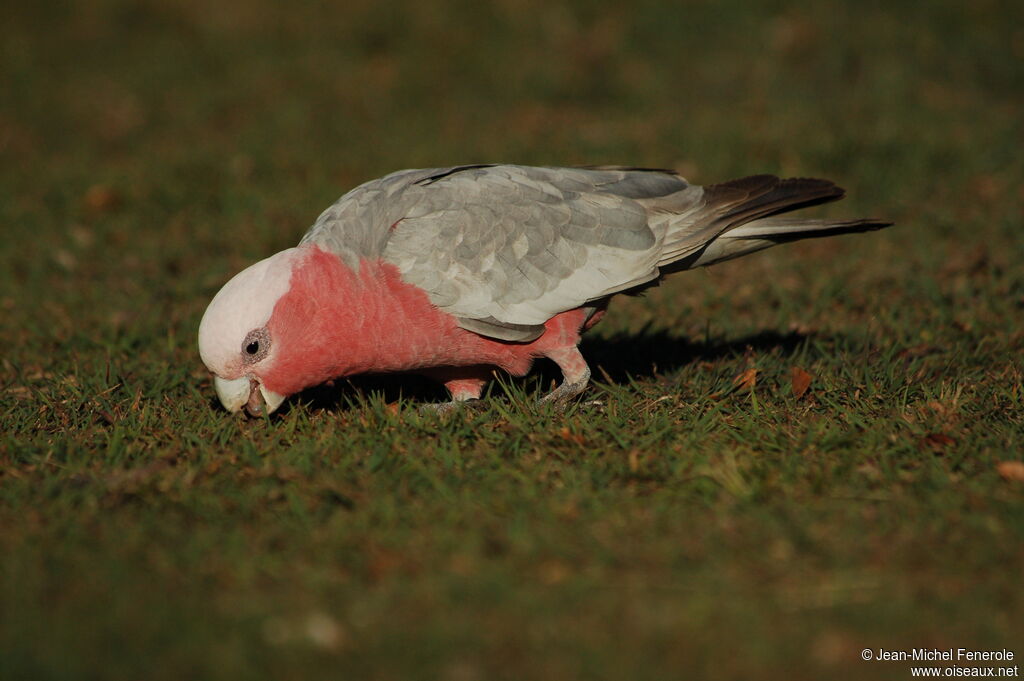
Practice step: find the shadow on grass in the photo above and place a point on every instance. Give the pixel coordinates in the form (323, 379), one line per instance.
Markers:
(617, 359)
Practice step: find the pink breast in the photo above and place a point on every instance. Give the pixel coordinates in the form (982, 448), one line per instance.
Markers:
(335, 321)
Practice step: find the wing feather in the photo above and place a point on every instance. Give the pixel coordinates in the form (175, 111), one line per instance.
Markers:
(529, 242)
(505, 248)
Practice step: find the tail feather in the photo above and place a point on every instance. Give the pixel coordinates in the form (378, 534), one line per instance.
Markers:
(738, 217)
(781, 230)
(759, 196)
(768, 232)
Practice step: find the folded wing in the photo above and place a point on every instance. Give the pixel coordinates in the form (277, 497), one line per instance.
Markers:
(505, 248)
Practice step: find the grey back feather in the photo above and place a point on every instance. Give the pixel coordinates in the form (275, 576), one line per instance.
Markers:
(504, 248)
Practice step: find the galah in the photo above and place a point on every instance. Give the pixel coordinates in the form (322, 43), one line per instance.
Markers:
(455, 272)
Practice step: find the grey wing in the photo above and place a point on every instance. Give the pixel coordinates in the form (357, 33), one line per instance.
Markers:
(505, 248)
(358, 224)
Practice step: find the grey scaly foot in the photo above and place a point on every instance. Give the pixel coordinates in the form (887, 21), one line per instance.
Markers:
(465, 384)
(451, 407)
(561, 396)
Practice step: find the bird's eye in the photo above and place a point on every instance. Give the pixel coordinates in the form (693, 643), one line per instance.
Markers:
(256, 345)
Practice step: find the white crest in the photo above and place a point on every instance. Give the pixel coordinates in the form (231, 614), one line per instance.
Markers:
(243, 304)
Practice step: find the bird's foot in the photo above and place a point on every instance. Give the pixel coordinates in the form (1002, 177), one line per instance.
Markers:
(443, 408)
(562, 396)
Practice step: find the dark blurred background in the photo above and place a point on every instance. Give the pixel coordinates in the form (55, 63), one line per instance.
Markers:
(189, 128)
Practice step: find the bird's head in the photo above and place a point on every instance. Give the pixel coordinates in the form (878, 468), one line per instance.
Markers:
(242, 343)
(298, 319)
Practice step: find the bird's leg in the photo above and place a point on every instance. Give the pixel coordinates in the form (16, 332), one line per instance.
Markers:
(465, 384)
(575, 376)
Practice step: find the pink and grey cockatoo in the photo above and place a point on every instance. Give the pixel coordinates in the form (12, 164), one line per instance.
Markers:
(453, 272)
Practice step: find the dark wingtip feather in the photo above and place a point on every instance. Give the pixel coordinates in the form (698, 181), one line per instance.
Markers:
(873, 224)
(773, 188)
(630, 169)
(760, 196)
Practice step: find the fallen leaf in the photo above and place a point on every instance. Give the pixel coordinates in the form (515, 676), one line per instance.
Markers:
(935, 442)
(65, 259)
(324, 631)
(381, 563)
(565, 434)
(746, 380)
(101, 198)
(82, 236)
(801, 381)
(920, 350)
(633, 459)
(553, 571)
(1011, 470)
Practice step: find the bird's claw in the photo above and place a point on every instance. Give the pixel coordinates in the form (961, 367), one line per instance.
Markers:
(443, 408)
(561, 397)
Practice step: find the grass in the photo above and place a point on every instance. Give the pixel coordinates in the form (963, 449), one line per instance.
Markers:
(682, 527)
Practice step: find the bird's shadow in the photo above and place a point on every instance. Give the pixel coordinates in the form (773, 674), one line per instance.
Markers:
(619, 360)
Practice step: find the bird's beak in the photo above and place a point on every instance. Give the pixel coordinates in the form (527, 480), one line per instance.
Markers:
(247, 392)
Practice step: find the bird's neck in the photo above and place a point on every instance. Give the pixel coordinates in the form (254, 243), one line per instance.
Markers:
(338, 321)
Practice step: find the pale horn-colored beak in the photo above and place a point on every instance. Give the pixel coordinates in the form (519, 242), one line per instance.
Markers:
(247, 392)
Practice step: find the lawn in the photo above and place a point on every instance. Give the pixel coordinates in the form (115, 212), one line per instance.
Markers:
(703, 513)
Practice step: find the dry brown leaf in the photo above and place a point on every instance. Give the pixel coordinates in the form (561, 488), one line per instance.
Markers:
(633, 459)
(1011, 470)
(101, 198)
(381, 563)
(565, 434)
(746, 380)
(553, 571)
(801, 381)
(920, 350)
(935, 442)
